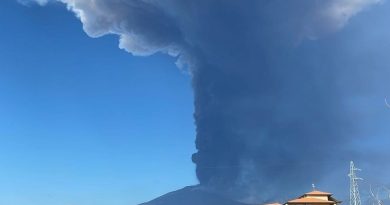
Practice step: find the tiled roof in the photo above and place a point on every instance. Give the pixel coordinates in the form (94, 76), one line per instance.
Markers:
(310, 200)
(318, 193)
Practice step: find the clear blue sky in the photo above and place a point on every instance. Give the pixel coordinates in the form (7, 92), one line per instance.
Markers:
(83, 122)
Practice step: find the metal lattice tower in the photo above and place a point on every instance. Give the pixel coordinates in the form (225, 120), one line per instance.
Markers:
(354, 196)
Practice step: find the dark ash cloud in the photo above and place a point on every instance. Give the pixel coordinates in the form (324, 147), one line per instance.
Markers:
(272, 94)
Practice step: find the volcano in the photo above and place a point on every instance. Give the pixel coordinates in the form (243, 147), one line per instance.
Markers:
(192, 195)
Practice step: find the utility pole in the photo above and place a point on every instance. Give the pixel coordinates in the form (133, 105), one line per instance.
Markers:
(354, 196)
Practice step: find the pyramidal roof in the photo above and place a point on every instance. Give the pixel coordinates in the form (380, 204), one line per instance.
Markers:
(318, 193)
(315, 197)
(308, 200)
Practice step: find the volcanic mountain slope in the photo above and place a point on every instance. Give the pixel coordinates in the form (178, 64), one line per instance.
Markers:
(192, 195)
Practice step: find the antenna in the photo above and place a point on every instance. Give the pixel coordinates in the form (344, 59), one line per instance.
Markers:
(354, 195)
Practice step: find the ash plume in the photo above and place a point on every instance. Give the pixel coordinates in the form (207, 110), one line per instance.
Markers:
(278, 90)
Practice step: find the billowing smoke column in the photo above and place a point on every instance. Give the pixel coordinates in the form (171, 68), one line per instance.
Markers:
(271, 108)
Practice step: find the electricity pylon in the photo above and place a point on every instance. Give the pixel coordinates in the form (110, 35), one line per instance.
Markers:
(354, 196)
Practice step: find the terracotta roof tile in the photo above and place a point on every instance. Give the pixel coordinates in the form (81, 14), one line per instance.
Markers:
(318, 193)
(310, 200)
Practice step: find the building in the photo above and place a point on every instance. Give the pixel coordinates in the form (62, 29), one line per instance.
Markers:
(314, 198)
